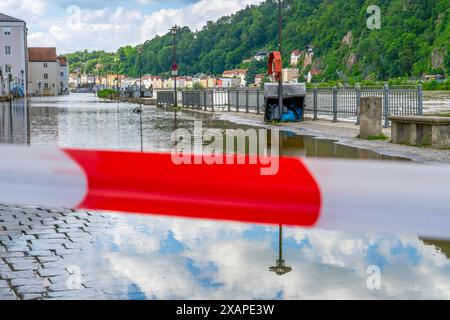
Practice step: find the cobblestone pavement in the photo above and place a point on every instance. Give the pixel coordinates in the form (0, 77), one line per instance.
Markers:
(41, 250)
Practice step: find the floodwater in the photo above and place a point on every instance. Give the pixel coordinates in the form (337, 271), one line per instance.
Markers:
(146, 257)
(436, 102)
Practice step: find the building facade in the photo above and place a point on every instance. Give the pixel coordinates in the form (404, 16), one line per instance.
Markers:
(13, 54)
(44, 72)
(290, 75)
(63, 75)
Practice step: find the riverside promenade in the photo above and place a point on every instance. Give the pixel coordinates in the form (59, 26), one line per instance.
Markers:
(57, 253)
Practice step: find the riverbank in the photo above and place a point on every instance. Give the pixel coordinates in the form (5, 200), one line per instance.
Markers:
(344, 133)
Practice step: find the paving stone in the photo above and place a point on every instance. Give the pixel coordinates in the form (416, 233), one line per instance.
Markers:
(12, 254)
(21, 260)
(45, 247)
(50, 272)
(32, 296)
(16, 274)
(52, 236)
(28, 282)
(25, 266)
(49, 259)
(22, 290)
(42, 253)
(18, 249)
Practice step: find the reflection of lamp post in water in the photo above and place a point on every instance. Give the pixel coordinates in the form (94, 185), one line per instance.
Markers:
(280, 267)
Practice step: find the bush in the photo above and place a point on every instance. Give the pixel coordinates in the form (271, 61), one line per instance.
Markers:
(107, 94)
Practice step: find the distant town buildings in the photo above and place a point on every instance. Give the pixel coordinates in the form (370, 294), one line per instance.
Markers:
(290, 75)
(240, 74)
(13, 54)
(260, 56)
(259, 80)
(295, 57)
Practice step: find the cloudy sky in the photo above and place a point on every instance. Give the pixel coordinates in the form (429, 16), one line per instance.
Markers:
(72, 25)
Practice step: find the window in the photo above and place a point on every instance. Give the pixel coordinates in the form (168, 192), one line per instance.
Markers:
(61, 74)
(7, 50)
(45, 65)
(7, 31)
(7, 68)
(45, 85)
(45, 76)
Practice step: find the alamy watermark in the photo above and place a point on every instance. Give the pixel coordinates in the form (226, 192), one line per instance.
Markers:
(215, 147)
(374, 21)
(374, 279)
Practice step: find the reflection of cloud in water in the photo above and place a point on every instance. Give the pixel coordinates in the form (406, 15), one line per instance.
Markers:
(176, 258)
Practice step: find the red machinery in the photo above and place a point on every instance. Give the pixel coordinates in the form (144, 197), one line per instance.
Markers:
(275, 65)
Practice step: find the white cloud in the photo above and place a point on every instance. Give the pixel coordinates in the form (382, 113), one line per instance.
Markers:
(194, 16)
(108, 28)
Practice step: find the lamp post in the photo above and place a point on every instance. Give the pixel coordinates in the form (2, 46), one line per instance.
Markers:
(1, 82)
(174, 31)
(280, 267)
(53, 88)
(280, 80)
(139, 50)
(117, 60)
(23, 79)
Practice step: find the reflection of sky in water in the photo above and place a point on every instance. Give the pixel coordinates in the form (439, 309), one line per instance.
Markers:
(162, 258)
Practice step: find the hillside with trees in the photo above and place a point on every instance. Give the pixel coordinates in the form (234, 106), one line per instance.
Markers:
(414, 40)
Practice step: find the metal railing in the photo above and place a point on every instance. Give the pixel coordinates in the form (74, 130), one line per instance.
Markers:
(333, 103)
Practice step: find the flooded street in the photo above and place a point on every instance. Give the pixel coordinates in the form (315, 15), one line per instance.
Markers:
(124, 256)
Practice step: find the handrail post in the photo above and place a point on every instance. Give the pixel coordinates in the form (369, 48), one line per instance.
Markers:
(257, 101)
(246, 100)
(315, 102)
(386, 105)
(358, 104)
(420, 99)
(237, 100)
(335, 104)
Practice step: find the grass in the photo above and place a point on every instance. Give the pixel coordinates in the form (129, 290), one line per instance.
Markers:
(381, 137)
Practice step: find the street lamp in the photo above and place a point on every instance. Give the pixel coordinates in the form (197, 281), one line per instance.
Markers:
(174, 31)
(280, 267)
(280, 80)
(117, 61)
(139, 50)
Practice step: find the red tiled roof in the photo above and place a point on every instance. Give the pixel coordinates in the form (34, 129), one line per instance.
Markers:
(42, 54)
(62, 61)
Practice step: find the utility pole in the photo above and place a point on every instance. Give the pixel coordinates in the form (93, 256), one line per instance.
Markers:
(280, 80)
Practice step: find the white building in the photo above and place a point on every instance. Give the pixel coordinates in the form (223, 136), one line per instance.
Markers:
(43, 72)
(295, 57)
(63, 75)
(13, 53)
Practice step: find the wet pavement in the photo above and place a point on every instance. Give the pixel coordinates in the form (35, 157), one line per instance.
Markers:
(48, 253)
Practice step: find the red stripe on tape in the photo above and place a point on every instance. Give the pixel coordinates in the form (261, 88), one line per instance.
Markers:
(152, 183)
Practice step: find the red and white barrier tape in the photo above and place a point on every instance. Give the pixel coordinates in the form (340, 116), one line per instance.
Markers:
(331, 194)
